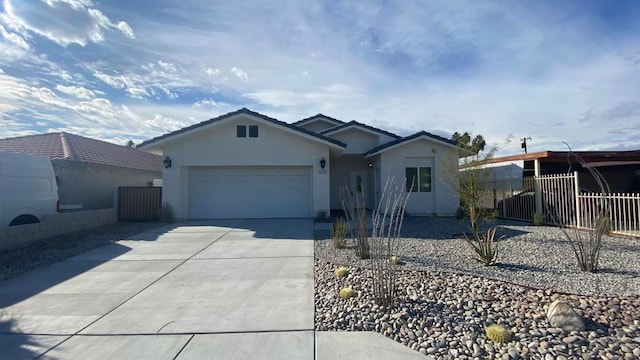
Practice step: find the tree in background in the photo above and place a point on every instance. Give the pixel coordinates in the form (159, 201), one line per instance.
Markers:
(130, 144)
(465, 141)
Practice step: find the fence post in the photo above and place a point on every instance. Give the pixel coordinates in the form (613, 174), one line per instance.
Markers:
(537, 187)
(576, 192)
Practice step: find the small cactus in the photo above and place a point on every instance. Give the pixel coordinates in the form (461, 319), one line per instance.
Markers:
(498, 333)
(347, 293)
(394, 260)
(342, 272)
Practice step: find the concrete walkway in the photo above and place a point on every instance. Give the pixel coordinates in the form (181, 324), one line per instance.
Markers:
(227, 289)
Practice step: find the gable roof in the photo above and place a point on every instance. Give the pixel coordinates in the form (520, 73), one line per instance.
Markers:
(65, 146)
(245, 111)
(352, 124)
(318, 117)
(408, 139)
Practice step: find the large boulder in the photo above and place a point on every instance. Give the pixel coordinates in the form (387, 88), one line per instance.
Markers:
(561, 315)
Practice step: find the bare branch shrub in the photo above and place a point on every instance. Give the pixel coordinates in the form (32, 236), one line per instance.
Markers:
(587, 244)
(387, 224)
(356, 213)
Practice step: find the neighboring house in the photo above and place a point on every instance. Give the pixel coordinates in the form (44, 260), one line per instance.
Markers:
(245, 164)
(88, 171)
(621, 169)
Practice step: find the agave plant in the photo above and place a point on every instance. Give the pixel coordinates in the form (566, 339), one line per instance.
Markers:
(484, 246)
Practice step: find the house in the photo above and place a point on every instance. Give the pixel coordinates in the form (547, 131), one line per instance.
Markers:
(88, 171)
(245, 164)
(621, 169)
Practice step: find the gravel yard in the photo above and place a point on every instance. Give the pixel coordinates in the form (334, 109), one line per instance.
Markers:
(445, 299)
(16, 261)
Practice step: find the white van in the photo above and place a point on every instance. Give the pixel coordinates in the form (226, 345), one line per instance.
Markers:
(28, 189)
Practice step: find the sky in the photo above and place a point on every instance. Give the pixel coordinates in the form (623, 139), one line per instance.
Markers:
(557, 71)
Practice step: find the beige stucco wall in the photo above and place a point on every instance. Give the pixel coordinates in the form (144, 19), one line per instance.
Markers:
(219, 146)
(358, 141)
(92, 185)
(341, 169)
(442, 200)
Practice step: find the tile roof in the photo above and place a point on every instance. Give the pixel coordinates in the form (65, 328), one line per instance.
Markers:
(65, 146)
(247, 112)
(355, 123)
(409, 138)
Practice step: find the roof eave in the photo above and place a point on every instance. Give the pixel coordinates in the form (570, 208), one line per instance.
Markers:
(409, 140)
(152, 144)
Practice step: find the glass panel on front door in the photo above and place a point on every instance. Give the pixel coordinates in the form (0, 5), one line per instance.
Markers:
(359, 188)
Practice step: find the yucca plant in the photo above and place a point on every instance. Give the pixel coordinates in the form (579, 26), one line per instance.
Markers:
(484, 246)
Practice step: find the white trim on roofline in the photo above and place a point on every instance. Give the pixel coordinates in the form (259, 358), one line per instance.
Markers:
(172, 138)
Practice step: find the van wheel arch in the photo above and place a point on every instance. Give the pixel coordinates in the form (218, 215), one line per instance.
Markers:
(24, 219)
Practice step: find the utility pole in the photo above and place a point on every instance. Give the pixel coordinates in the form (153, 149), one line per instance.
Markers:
(523, 143)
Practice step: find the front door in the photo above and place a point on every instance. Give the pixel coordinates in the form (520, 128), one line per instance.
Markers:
(359, 188)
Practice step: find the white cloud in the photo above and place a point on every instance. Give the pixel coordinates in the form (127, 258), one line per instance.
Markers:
(205, 103)
(76, 91)
(82, 23)
(212, 72)
(126, 29)
(115, 81)
(239, 73)
(167, 66)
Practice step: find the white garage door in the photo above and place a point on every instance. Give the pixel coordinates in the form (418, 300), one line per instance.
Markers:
(249, 192)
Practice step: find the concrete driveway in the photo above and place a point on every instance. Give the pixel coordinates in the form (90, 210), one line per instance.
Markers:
(229, 289)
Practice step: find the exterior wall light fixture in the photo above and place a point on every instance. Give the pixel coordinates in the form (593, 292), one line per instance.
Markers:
(167, 162)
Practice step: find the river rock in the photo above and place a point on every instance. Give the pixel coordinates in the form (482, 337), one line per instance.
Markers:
(561, 315)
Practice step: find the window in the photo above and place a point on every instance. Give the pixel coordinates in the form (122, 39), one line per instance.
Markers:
(241, 131)
(419, 177)
(253, 130)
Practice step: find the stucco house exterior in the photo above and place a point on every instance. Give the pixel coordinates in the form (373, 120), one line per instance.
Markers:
(88, 171)
(245, 164)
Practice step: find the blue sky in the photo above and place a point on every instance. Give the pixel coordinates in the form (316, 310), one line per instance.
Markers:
(557, 71)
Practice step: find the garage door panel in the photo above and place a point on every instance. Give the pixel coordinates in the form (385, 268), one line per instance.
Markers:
(258, 192)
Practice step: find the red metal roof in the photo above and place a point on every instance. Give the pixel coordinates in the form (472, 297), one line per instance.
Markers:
(65, 146)
(561, 156)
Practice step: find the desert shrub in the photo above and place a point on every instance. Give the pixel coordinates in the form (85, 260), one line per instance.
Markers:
(165, 213)
(498, 333)
(484, 246)
(538, 218)
(490, 214)
(342, 272)
(339, 231)
(586, 245)
(357, 213)
(460, 213)
(387, 225)
(347, 293)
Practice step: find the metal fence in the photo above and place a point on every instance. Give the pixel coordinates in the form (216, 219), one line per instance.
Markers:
(139, 203)
(559, 199)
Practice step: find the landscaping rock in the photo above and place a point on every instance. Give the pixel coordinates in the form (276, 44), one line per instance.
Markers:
(561, 315)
